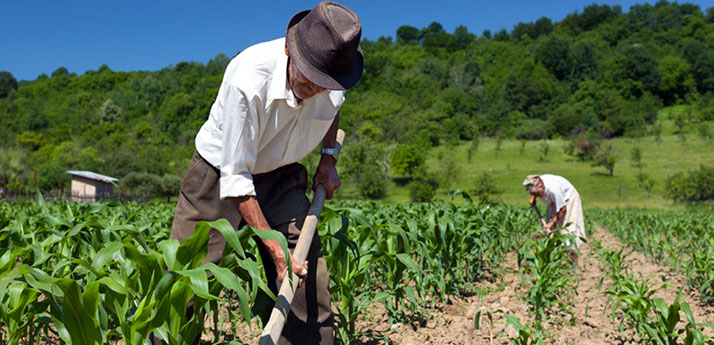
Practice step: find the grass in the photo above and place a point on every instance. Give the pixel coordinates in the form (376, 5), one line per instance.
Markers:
(509, 166)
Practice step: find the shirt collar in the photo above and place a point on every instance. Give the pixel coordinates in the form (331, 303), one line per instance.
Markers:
(278, 84)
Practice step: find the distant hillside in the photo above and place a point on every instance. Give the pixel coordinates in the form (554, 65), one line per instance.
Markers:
(603, 72)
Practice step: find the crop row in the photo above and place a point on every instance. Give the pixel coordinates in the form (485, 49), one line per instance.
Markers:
(107, 273)
(682, 240)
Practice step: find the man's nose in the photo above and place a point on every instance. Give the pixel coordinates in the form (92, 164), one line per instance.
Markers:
(314, 87)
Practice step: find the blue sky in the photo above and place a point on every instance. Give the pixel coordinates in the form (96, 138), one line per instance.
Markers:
(40, 36)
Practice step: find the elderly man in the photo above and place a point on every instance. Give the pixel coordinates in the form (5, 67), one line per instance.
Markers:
(277, 101)
(563, 205)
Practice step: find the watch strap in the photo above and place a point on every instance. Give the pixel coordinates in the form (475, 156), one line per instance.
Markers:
(332, 151)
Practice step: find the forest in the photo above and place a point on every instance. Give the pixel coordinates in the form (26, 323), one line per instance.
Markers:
(599, 73)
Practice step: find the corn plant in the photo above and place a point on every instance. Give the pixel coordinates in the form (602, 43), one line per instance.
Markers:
(107, 273)
(674, 238)
(616, 262)
(700, 275)
(544, 267)
(527, 335)
(75, 272)
(653, 320)
(348, 270)
(409, 257)
(631, 300)
(663, 328)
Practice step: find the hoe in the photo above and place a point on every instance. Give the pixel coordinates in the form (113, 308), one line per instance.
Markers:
(272, 330)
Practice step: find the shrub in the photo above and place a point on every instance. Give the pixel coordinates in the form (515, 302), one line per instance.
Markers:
(423, 189)
(584, 146)
(486, 190)
(372, 185)
(696, 185)
(534, 129)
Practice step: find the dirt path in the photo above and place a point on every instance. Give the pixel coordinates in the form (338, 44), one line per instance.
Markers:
(454, 323)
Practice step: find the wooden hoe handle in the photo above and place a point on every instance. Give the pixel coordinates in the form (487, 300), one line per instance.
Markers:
(272, 330)
(539, 215)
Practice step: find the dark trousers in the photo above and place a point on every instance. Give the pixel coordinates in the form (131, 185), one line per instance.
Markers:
(281, 195)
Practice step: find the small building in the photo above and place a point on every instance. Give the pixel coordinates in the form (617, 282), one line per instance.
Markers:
(89, 186)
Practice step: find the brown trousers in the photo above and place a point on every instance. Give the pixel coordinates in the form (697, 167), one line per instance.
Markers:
(281, 195)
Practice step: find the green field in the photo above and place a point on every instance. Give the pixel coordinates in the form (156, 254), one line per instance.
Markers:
(106, 273)
(509, 166)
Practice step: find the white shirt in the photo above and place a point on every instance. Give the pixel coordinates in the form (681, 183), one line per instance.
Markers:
(557, 190)
(256, 125)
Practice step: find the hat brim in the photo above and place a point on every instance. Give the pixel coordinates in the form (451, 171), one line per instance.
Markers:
(320, 78)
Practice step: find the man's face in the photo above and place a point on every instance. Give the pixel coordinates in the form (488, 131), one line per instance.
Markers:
(302, 88)
(538, 189)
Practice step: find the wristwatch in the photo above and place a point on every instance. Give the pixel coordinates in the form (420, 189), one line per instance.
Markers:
(332, 151)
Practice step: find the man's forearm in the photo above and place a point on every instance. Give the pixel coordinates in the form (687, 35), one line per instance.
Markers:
(560, 214)
(249, 209)
(330, 138)
(251, 213)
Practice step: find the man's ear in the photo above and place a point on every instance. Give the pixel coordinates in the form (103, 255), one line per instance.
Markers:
(286, 49)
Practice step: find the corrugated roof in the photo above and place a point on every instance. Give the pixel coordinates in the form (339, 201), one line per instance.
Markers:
(93, 176)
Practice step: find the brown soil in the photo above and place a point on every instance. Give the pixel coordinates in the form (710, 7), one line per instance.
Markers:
(454, 323)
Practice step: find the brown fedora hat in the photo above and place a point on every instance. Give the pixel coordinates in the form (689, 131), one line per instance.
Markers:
(324, 45)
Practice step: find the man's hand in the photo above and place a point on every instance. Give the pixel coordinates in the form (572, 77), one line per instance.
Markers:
(532, 200)
(326, 175)
(249, 209)
(279, 258)
(548, 227)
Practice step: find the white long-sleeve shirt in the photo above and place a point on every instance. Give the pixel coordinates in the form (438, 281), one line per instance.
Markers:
(256, 125)
(557, 190)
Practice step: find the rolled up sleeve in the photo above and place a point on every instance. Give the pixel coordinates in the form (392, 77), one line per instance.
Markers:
(239, 146)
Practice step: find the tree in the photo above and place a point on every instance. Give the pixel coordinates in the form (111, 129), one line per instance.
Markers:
(434, 37)
(51, 162)
(584, 56)
(701, 59)
(448, 170)
(217, 65)
(62, 71)
(592, 16)
(542, 26)
(460, 39)
(554, 55)
(407, 34)
(605, 157)
(363, 164)
(640, 67)
(485, 188)
(636, 158)
(169, 186)
(8, 83)
(676, 81)
(149, 183)
(110, 112)
(407, 160)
